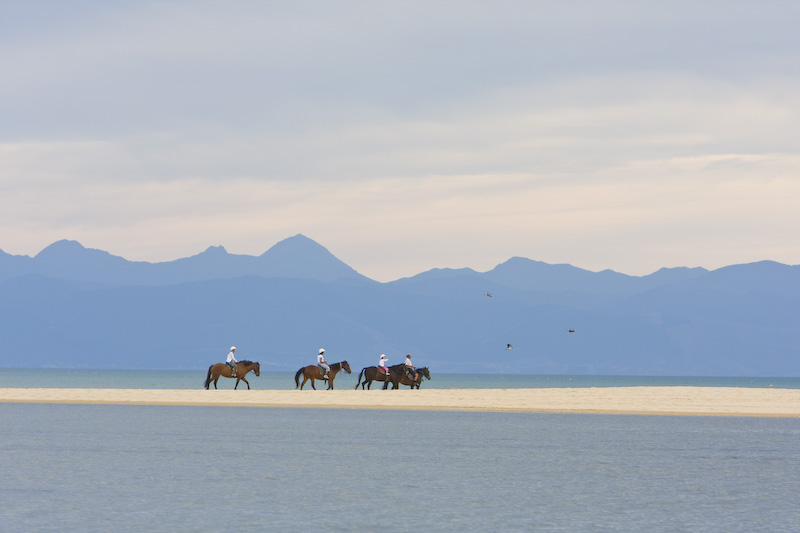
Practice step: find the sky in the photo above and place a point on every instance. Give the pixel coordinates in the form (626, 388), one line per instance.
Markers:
(405, 136)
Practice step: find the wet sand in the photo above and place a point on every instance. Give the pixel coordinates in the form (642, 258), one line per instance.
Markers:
(710, 401)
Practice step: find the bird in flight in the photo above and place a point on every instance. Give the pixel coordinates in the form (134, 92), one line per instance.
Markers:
(489, 294)
(509, 347)
(572, 331)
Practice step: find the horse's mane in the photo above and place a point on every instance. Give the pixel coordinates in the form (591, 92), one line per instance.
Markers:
(245, 362)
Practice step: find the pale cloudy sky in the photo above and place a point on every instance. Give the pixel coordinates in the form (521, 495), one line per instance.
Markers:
(408, 135)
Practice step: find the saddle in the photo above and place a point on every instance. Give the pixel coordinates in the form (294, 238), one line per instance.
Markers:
(321, 371)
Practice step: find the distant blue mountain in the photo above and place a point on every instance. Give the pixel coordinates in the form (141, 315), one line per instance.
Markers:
(295, 257)
(72, 307)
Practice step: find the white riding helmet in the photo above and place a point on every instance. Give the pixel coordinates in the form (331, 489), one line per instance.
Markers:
(233, 348)
(322, 350)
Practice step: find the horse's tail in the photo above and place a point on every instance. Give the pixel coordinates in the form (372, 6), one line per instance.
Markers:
(208, 378)
(297, 377)
(358, 381)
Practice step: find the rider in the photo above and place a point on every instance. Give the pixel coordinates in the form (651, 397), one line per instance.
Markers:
(382, 364)
(232, 361)
(410, 369)
(321, 362)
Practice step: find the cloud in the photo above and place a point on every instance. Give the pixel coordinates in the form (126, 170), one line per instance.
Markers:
(642, 215)
(405, 136)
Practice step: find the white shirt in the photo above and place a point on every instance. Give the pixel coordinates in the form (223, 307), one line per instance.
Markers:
(231, 358)
(383, 361)
(320, 359)
(408, 362)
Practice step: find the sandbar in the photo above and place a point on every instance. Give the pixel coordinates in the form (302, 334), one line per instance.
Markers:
(707, 401)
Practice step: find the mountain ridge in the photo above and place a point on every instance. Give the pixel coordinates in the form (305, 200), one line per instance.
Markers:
(281, 260)
(84, 308)
(296, 256)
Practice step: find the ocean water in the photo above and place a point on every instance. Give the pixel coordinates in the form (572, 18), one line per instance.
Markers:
(177, 468)
(188, 379)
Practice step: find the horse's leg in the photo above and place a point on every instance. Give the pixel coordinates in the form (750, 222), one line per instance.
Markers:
(215, 382)
(237, 383)
(305, 378)
(248, 383)
(312, 384)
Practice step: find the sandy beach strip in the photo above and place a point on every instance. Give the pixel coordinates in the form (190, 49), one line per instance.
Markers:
(710, 401)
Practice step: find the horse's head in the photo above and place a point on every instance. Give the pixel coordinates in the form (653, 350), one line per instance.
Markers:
(257, 369)
(425, 372)
(346, 367)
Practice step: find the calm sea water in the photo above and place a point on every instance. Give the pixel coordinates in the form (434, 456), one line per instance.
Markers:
(165, 468)
(183, 379)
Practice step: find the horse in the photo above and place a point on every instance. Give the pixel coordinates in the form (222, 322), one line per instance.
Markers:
(223, 370)
(421, 373)
(398, 376)
(313, 372)
(370, 374)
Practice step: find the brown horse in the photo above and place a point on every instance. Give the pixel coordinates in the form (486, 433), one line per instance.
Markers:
(313, 372)
(223, 370)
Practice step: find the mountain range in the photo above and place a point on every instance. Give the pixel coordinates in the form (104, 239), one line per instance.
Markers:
(73, 307)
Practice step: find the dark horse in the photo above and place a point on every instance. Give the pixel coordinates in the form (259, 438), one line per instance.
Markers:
(397, 377)
(223, 370)
(313, 372)
(370, 374)
(421, 373)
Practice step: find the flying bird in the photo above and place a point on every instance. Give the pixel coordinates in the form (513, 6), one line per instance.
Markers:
(572, 331)
(509, 347)
(489, 294)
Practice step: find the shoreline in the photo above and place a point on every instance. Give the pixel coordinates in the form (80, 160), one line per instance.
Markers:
(656, 400)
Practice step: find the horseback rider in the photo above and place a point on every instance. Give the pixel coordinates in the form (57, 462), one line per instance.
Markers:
(232, 361)
(321, 362)
(411, 370)
(382, 364)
